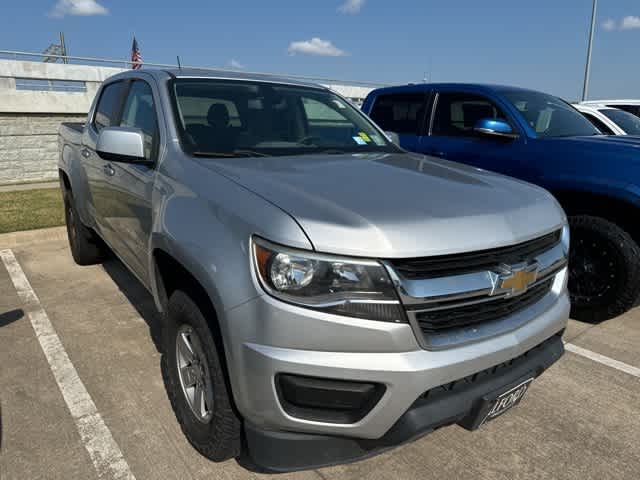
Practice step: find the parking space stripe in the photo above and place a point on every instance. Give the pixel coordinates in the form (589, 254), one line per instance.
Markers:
(103, 450)
(596, 357)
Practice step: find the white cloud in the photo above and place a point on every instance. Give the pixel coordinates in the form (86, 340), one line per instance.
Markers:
(233, 63)
(351, 7)
(316, 46)
(609, 24)
(83, 8)
(630, 22)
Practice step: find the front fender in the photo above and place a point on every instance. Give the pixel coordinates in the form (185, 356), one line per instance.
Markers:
(207, 229)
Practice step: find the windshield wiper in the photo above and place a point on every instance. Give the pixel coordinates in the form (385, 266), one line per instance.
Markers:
(332, 151)
(235, 154)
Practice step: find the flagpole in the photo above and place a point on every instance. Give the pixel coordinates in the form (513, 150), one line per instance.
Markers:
(587, 70)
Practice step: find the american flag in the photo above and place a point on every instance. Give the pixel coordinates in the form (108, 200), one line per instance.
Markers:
(136, 56)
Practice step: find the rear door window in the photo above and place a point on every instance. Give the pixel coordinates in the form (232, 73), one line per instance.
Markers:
(401, 113)
(109, 105)
(633, 109)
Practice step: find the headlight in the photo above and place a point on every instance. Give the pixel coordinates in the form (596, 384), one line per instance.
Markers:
(344, 286)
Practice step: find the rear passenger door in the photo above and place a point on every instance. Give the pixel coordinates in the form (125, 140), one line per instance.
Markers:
(106, 114)
(451, 133)
(404, 114)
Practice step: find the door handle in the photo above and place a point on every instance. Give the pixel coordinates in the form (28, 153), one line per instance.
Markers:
(85, 153)
(108, 170)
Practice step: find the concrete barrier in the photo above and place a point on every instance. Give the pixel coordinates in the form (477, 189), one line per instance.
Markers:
(31, 110)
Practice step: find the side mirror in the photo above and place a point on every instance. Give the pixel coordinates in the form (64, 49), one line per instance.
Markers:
(494, 128)
(120, 144)
(393, 138)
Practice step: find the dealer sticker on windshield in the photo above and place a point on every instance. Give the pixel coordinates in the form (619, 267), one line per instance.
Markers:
(359, 140)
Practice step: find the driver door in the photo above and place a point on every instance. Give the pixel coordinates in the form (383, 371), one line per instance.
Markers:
(452, 136)
(131, 183)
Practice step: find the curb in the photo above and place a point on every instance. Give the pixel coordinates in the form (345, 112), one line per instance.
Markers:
(28, 237)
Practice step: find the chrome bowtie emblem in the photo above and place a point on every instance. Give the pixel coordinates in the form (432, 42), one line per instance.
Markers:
(514, 279)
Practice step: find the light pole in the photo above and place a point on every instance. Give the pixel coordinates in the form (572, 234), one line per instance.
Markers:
(587, 70)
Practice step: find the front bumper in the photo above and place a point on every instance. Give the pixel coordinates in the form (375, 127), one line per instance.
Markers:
(284, 451)
(265, 337)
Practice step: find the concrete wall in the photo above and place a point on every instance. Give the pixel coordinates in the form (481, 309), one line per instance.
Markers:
(29, 146)
(15, 101)
(29, 120)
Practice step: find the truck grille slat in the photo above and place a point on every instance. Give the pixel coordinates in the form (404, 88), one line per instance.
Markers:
(457, 264)
(458, 317)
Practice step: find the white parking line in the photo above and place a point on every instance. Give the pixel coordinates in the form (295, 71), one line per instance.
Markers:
(103, 450)
(609, 362)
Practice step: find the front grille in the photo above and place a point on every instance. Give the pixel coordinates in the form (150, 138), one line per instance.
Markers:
(438, 321)
(458, 264)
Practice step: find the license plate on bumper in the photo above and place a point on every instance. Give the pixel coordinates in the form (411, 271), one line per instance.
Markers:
(493, 405)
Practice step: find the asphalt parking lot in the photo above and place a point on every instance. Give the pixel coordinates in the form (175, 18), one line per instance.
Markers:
(580, 420)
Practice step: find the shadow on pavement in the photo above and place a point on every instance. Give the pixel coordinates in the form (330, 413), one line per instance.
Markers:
(11, 316)
(138, 296)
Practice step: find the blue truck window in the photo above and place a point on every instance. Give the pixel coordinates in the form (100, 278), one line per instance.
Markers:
(399, 113)
(457, 113)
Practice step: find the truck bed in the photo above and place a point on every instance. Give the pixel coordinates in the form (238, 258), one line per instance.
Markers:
(71, 132)
(77, 126)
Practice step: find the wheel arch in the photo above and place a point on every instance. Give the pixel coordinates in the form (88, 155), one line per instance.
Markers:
(65, 181)
(169, 275)
(612, 208)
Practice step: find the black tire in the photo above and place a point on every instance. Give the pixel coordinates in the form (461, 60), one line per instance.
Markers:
(86, 247)
(219, 439)
(604, 269)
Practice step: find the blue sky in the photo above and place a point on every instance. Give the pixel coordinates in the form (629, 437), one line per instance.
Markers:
(539, 44)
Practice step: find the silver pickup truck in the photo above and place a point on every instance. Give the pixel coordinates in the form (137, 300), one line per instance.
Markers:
(325, 294)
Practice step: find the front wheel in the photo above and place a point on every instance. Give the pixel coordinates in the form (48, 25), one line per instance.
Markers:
(197, 388)
(604, 269)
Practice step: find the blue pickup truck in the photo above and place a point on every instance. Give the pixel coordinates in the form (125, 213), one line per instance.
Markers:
(543, 140)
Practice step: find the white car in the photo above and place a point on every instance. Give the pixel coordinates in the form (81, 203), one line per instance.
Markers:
(628, 105)
(609, 120)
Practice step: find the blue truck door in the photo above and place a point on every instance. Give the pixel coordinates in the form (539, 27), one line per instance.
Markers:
(451, 133)
(402, 113)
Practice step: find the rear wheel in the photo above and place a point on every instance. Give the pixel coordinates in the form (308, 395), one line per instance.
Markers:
(86, 247)
(604, 269)
(197, 388)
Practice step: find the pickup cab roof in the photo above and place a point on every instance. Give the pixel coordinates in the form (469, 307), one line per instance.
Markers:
(424, 87)
(217, 75)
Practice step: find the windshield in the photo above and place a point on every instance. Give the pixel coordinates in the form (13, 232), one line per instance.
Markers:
(549, 116)
(225, 118)
(625, 120)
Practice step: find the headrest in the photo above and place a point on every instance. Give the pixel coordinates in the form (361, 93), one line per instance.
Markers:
(218, 115)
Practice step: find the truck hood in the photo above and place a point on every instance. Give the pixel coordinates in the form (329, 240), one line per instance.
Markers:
(608, 143)
(396, 205)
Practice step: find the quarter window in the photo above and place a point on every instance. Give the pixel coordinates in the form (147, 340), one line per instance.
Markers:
(457, 114)
(108, 105)
(399, 113)
(139, 112)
